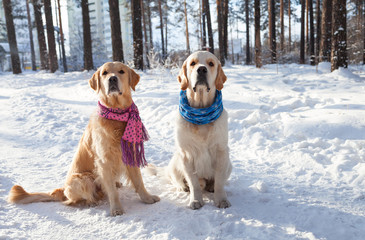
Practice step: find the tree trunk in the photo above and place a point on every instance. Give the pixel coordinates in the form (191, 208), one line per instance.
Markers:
(307, 27)
(325, 46)
(161, 28)
(220, 31)
(145, 33)
(88, 54)
(15, 60)
(149, 24)
(137, 34)
(52, 56)
(32, 52)
(257, 35)
(64, 61)
(116, 31)
(204, 32)
(166, 38)
(282, 33)
(225, 28)
(209, 25)
(41, 37)
(311, 33)
(339, 42)
(200, 37)
(248, 56)
(363, 30)
(186, 29)
(318, 30)
(302, 38)
(272, 30)
(289, 13)
(360, 26)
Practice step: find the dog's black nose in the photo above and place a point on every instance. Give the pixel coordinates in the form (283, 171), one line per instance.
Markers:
(113, 80)
(202, 70)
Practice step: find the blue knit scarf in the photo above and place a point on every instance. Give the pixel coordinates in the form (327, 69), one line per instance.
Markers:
(201, 116)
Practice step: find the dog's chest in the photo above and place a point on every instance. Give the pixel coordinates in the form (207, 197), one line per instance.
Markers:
(202, 132)
(118, 131)
(114, 129)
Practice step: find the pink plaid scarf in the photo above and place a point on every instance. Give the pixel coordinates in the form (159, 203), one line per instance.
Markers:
(134, 135)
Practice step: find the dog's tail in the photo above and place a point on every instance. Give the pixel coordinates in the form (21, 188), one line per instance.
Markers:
(19, 195)
(153, 170)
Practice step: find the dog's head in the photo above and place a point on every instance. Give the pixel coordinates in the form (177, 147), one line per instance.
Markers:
(113, 82)
(202, 70)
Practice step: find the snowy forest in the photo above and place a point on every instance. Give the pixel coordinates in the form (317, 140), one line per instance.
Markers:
(294, 96)
(242, 32)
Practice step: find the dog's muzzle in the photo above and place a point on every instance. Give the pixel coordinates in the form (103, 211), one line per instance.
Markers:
(113, 85)
(202, 78)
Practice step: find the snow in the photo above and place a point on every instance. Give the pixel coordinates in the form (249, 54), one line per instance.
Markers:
(297, 145)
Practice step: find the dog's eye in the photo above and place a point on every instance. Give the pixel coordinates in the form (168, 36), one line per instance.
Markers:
(121, 71)
(192, 63)
(105, 73)
(211, 64)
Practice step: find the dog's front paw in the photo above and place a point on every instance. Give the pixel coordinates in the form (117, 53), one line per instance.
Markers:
(151, 199)
(116, 212)
(196, 204)
(223, 204)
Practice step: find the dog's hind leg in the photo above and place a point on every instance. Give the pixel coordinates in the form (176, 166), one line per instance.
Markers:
(176, 176)
(81, 188)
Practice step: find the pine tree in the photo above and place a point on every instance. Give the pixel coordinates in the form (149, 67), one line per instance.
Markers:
(166, 21)
(282, 31)
(144, 24)
(52, 54)
(149, 24)
(64, 61)
(137, 34)
(116, 32)
(326, 28)
(88, 54)
(272, 30)
(220, 31)
(363, 29)
(32, 52)
(339, 41)
(318, 30)
(248, 55)
(311, 33)
(257, 35)
(302, 38)
(209, 26)
(204, 33)
(43, 53)
(225, 28)
(289, 30)
(15, 60)
(186, 29)
(161, 29)
(306, 27)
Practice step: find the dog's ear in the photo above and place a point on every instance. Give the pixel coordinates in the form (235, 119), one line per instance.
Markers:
(220, 79)
(133, 79)
(94, 81)
(183, 78)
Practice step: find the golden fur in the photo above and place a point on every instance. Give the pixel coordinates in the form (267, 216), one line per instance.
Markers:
(201, 160)
(97, 165)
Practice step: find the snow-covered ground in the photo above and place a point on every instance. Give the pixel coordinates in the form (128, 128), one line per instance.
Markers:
(297, 144)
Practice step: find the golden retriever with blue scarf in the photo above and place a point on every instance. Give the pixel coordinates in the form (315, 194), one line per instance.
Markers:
(201, 160)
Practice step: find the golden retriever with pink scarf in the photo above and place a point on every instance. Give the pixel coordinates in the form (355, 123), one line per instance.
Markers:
(97, 165)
